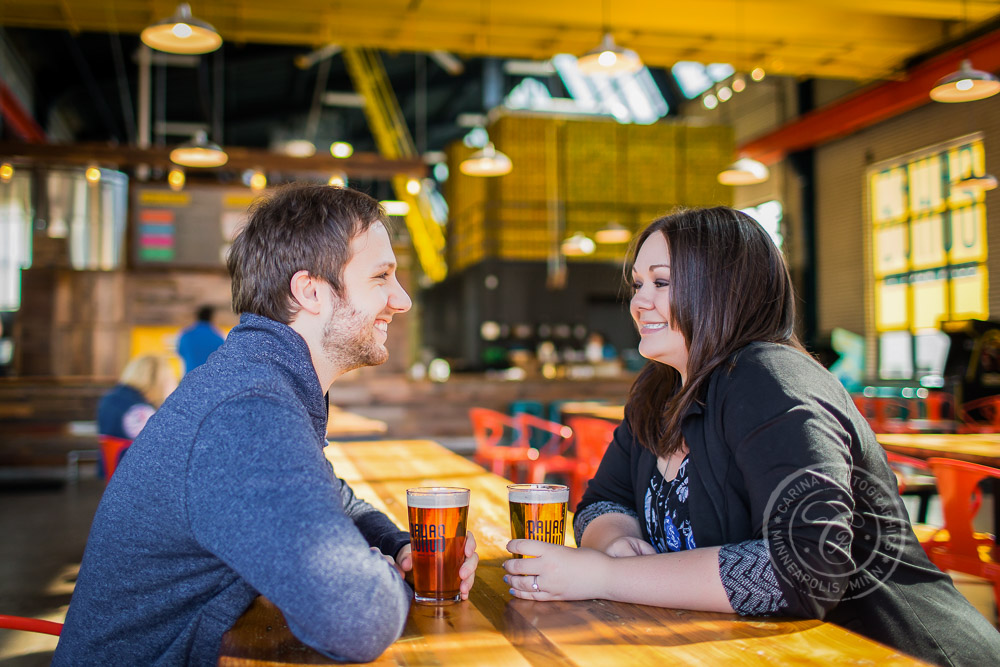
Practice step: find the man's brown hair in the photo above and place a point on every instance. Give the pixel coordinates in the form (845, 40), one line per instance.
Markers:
(300, 227)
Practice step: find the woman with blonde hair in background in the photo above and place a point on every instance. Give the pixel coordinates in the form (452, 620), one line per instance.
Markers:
(144, 384)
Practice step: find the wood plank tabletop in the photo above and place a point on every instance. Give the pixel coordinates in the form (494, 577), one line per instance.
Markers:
(982, 448)
(344, 425)
(492, 628)
(611, 412)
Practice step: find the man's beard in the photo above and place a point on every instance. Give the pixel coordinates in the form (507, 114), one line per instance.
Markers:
(349, 339)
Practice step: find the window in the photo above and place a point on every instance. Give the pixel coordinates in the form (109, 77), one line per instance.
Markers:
(929, 251)
(15, 236)
(768, 215)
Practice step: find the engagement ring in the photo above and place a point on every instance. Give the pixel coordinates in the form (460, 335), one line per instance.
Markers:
(534, 584)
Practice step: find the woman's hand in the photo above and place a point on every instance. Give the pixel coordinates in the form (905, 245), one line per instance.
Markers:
(467, 573)
(556, 572)
(629, 546)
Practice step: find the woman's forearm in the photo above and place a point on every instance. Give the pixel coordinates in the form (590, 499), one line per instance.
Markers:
(681, 580)
(607, 528)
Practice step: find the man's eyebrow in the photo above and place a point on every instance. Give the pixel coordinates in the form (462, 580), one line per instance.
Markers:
(384, 266)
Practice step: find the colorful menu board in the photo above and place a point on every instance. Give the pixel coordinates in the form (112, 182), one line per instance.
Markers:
(191, 228)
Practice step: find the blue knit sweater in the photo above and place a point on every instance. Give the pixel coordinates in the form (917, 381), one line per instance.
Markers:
(225, 495)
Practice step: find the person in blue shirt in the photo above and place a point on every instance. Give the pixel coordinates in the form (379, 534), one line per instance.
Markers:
(199, 340)
(227, 495)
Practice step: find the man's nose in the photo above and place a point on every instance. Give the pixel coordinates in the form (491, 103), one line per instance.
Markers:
(399, 300)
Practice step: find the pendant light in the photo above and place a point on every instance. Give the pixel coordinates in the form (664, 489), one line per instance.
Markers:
(578, 245)
(487, 161)
(609, 58)
(974, 185)
(182, 33)
(745, 171)
(613, 233)
(965, 85)
(199, 152)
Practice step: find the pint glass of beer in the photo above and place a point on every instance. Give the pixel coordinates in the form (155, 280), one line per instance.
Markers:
(538, 512)
(438, 515)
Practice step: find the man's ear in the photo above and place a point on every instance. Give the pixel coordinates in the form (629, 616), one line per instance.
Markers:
(306, 291)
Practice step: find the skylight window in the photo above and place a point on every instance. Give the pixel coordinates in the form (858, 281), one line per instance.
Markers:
(695, 78)
(628, 97)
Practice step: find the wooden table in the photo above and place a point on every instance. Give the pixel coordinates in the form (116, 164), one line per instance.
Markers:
(343, 425)
(982, 448)
(492, 628)
(607, 411)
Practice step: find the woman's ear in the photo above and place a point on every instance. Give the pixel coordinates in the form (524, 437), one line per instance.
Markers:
(306, 292)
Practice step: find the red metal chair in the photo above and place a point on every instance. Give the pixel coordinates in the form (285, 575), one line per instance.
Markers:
(885, 414)
(500, 446)
(592, 439)
(112, 449)
(966, 550)
(981, 415)
(30, 625)
(555, 456)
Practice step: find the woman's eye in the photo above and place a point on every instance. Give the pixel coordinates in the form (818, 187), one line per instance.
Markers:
(662, 283)
(636, 286)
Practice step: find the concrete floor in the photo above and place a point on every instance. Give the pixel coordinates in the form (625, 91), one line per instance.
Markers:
(43, 531)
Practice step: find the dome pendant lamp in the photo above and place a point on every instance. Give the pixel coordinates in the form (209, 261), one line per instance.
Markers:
(182, 33)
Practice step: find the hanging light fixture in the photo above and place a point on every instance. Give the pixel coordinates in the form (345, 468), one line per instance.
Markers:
(181, 33)
(609, 58)
(745, 171)
(965, 85)
(974, 185)
(6, 172)
(578, 245)
(258, 180)
(487, 161)
(175, 179)
(199, 152)
(613, 233)
(338, 180)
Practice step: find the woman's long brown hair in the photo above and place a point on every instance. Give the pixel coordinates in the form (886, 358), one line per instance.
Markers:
(729, 286)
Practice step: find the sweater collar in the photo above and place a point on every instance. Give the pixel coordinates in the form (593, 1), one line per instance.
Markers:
(283, 348)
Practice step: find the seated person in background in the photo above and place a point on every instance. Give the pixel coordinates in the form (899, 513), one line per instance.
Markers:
(199, 340)
(144, 384)
(743, 479)
(226, 494)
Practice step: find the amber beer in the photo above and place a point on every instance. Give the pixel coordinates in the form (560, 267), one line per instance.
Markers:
(538, 512)
(437, 539)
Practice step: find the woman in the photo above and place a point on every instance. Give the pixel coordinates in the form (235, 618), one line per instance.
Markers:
(742, 476)
(143, 386)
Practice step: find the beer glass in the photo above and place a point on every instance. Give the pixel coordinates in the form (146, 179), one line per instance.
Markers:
(438, 515)
(538, 512)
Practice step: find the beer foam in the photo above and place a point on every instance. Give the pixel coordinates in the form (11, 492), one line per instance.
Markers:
(538, 493)
(437, 497)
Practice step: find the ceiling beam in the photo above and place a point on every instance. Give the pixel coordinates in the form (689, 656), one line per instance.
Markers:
(871, 105)
(359, 165)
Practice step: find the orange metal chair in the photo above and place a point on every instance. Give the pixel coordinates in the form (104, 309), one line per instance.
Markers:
(555, 454)
(966, 550)
(112, 449)
(30, 625)
(981, 415)
(885, 414)
(592, 439)
(914, 477)
(500, 445)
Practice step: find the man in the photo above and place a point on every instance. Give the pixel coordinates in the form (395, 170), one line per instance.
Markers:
(199, 340)
(226, 494)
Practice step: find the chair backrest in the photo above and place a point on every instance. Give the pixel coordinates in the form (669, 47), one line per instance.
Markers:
(881, 410)
(904, 466)
(957, 483)
(491, 428)
(111, 452)
(592, 437)
(30, 625)
(982, 412)
(554, 438)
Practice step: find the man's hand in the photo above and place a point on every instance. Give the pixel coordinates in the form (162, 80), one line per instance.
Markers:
(467, 573)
